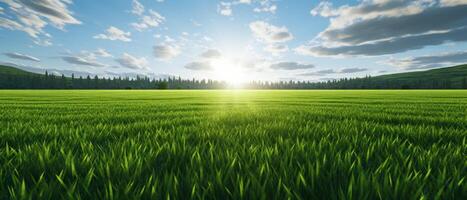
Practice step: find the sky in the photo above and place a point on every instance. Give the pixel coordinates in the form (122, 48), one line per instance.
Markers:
(233, 40)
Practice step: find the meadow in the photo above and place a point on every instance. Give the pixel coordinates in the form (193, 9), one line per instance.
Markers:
(233, 144)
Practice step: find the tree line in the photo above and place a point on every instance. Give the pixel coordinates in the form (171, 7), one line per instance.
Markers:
(50, 81)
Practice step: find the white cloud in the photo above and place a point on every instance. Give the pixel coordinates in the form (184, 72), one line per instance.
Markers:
(271, 9)
(154, 19)
(291, 66)
(78, 60)
(269, 33)
(166, 51)
(205, 62)
(275, 49)
(453, 2)
(13, 25)
(378, 27)
(168, 39)
(43, 42)
(55, 11)
(87, 55)
(225, 8)
(430, 61)
(113, 33)
(211, 53)
(368, 9)
(22, 56)
(352, 70)
(32, 16)
(93, 55)
(199, 66)
(138, 8)
(325, 72)
(132, 62)
(324, 9)
(102, 53)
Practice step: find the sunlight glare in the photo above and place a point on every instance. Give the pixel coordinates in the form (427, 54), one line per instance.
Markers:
(230, 71)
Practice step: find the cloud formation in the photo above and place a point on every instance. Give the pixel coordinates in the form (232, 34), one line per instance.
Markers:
(226, 7)
(102, 53)
(275, 49)
(22, 57)
(453, 2)
(132, 62)
(378, 27)
(319, 73)
(391, 46)
(269, 33)
(138, 8)
(154, 19)
(199, 66)
(352, 70)
(211, 53)
(205, 62)
(113, 33)
(166, 51)
(325, 72)
(32, 17)
(80, 60)
(431, 61)
(291, 66)
(266, 8)
(93, 55)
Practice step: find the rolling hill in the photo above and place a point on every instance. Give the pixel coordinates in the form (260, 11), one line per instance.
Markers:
(7, 70)
(455, 75)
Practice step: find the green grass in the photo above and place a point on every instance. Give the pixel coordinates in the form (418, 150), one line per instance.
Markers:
(233, 144)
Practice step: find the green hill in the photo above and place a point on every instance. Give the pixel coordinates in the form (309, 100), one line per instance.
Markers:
(453, 77)
(456, 72)
(7, 70)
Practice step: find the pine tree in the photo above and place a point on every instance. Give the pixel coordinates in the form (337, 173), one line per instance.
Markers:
(96, 82)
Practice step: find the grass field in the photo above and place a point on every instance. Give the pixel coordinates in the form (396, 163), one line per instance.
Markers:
(233, 144)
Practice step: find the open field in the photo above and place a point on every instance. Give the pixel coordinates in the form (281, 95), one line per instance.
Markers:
(233, 144)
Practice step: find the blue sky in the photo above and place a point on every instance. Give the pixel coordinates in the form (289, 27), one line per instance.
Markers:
(236, 40)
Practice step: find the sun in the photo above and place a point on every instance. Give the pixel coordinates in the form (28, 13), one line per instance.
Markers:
(229, 70)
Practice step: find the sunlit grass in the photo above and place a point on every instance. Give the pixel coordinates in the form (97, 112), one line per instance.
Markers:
(233, 144)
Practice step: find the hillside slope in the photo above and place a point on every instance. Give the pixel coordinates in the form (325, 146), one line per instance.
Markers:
(7, 70)
(441, 73)
(451, 76)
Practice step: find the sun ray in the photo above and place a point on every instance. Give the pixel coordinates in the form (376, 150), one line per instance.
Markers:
(229, 70)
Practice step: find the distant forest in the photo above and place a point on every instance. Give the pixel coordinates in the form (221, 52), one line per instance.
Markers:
(49, 81)
(442, 78)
